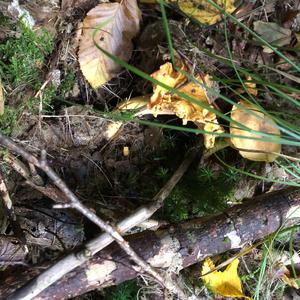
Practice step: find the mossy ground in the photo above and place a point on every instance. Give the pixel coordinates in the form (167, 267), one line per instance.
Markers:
(24, 55)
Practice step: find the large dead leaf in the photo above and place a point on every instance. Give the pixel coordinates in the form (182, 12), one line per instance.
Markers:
(164, 101)
(203, 11)
(115, 24)
(273, 34)
(253, 118)
(226, 283)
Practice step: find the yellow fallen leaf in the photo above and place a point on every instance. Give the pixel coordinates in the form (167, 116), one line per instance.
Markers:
(226, 283)
(253, 118)
(114, 25)
(164, 101)
(203, 11)
(1, 99)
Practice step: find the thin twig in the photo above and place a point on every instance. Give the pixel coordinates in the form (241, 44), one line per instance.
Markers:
(34, 181)
(32, 289)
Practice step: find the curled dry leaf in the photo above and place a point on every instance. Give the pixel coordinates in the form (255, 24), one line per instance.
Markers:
(114, 26)
(226, 283)
(252, 117)
(164, 101)
(203, 11)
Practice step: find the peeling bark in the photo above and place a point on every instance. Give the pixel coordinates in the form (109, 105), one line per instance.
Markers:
(176, 247)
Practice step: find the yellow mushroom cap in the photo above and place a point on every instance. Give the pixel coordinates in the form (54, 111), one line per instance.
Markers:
(257, 150)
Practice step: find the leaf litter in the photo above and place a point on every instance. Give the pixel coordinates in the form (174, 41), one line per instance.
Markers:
(108, 148)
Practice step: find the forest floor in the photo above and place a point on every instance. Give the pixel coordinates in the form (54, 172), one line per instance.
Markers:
(46, 103)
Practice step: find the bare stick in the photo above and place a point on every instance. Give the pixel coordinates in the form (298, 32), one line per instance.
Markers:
(35, 182)
(32, 289)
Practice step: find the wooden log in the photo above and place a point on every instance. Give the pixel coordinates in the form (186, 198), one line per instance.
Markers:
(175, 247)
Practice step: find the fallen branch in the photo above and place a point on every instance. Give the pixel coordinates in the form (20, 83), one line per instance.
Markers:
(57, 271)
(177, 247)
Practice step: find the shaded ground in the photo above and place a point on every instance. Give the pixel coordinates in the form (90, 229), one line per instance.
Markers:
(49, 105)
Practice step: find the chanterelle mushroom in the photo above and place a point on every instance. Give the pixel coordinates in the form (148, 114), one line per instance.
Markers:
(257, 150)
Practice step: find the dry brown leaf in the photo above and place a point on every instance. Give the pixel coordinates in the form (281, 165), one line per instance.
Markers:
(164, 101)
(1, 99)
(273, 33)
(116, 25)
(256, 150)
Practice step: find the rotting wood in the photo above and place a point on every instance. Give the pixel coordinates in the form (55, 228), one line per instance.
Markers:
(12, 251)
(176, 247)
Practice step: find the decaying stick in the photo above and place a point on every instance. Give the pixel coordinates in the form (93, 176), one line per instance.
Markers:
(12, 251)
(32, 289)
(9, 209)
(177, 246)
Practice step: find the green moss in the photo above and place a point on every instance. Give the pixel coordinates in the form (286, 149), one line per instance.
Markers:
(22, 64)
(125, 291)
(8, 120)
(23, 56)
(200, 192)
(67, 83)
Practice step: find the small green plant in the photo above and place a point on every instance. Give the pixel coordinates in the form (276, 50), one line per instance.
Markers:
(162, 172)
(67, 83)
(231, 175)
(206, 173)
(176, 205)
(168, 141)
(125, 291)
(8, 120)
(201, 192)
